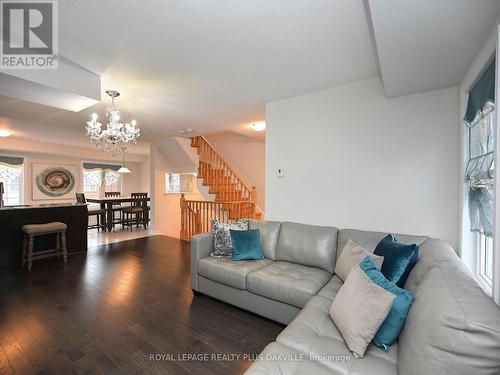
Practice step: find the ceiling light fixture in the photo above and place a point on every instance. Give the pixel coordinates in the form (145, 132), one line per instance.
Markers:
(259, 126)
(123, 169)
(186, 131)
(5, 133)
(117, 137)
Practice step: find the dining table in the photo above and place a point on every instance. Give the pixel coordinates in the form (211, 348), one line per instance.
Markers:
(107, 204)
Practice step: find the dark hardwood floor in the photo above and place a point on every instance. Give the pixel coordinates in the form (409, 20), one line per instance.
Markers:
(110, 310)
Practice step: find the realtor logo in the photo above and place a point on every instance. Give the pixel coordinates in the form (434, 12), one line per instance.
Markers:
(29, 34)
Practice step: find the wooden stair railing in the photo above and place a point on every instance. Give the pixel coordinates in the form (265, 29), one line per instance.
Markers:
(190, 220)
(234, 200)
(196, 215)
(222, 181)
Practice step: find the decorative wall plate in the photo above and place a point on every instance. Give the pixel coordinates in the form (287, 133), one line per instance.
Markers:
(53, 181)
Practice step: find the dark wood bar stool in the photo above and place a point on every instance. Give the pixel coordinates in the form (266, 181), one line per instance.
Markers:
(116, 207)
(31, 231)
(139, 209)
(98, 212)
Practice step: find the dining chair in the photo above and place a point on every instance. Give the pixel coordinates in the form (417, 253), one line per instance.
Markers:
(98, 212)
(116, 207)
(138, 208)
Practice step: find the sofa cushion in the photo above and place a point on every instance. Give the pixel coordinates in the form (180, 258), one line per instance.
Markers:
(369, 240)
(453, 327)
(428, 254)
(229, 272)
(308, 245)
(331, 288)
(269, 235)
(314, 332)
(287, 282)
(277, 359)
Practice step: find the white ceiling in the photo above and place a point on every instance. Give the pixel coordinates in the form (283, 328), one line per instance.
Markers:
(428, 45)
(207, 65)
(212, 65)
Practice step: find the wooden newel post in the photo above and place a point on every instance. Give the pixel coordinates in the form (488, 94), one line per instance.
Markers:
(183, 217)
(253, 195)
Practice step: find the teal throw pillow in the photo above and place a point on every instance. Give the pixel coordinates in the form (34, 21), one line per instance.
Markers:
(393, 324)
(399, 259)
(246, 244)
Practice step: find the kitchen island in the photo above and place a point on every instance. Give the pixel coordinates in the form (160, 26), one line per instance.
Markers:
(12, 218)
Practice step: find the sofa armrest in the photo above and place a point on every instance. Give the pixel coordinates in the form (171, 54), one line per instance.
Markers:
(201, 247)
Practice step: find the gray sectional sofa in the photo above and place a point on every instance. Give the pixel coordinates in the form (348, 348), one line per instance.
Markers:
(453, 327)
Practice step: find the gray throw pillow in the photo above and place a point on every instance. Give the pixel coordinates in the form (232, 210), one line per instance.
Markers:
(359, 309)
(222, 239)
(352, 254)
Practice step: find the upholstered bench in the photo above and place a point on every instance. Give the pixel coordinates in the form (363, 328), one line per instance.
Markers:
(31, 231)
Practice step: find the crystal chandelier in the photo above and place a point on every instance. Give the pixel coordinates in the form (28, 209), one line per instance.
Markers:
(116, 138)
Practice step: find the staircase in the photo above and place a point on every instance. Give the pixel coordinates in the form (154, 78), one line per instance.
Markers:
(234, 200)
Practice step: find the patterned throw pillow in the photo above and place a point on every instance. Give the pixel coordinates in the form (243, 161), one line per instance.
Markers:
(222, 239)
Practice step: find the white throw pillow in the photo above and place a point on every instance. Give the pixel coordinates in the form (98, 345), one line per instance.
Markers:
(351, 256)
(359, 309)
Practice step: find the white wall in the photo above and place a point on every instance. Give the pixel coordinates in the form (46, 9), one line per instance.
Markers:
(246, 156)
(134, 182)
(166, 207)
(353, 158)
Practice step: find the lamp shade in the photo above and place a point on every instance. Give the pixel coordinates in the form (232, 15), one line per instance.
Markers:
(123, 170)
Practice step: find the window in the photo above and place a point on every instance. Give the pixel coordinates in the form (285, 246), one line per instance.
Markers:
(179, 182)
(480, 173)
(485, 257)
(11, 174)
(12, 177)
(98, 181)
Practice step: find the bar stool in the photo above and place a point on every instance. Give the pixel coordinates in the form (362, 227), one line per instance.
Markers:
(137, 208)
(98, 213)
(116, 207)
(31, 231)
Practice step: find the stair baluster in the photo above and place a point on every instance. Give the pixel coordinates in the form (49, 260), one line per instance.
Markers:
(234, 200)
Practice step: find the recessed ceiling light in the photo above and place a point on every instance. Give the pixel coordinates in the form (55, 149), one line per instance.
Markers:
(259, 126)
(185, 131)
(5, 133)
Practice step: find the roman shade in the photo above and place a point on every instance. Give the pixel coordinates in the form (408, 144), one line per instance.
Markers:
(112, 167)
(480, 167)
(100, 174)
(10, 168)
(480, 122)
(482, 93)
(11, 161)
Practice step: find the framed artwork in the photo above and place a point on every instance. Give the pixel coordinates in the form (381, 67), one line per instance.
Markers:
(52, 181)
